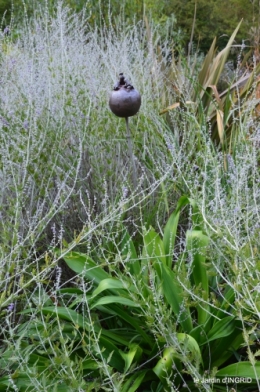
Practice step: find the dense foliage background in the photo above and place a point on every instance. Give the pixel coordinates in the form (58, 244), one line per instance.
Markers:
(212, 18)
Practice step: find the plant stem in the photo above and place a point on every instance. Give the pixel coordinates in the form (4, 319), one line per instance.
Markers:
(130, 151)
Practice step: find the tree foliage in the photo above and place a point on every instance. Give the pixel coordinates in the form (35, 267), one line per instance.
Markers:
(213, 18)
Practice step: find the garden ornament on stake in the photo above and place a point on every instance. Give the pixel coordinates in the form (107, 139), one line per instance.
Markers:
(125, 102)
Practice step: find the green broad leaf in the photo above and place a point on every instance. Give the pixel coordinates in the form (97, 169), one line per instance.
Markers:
(196, 244)
(4, 383)
(169, 236)
(115, 337)
(197, 333)
(112, 299)
(197, 219)
(79, 299)
(227, 302)
(220, 329)
(127, 249)
(164, 365)
(90, 364)
(112, 283)
(66, 314)
(30, 330)
(134, 352)
(81, 263)
(134, 381)
(222, 349)
(170, 230)
(61, 387)
(153, 246)
(132, 321)
(163, 368)
(192, 346)
(7, 358)
(110, 353)
(24, 383)
(241, 369)
(39, 360)
(174, 295)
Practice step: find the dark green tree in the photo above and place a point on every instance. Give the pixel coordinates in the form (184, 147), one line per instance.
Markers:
(214, 18)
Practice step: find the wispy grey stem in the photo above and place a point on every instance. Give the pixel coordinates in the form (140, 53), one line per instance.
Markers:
(130, 151)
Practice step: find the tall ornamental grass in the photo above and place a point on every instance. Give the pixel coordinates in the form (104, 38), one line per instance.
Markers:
(64, 159)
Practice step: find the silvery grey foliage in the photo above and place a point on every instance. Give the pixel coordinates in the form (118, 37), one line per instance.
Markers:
(63, 155)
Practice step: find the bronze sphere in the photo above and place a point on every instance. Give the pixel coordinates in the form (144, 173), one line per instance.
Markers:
(124, 100)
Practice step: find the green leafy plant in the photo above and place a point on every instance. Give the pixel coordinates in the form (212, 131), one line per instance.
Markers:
(153, 323)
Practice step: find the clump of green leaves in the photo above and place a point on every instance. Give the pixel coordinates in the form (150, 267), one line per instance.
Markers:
(142, 321)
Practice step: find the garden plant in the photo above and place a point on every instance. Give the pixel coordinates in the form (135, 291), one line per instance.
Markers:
(126, 269)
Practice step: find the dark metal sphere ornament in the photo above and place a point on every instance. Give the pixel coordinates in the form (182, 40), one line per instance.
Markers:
(125, 100)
